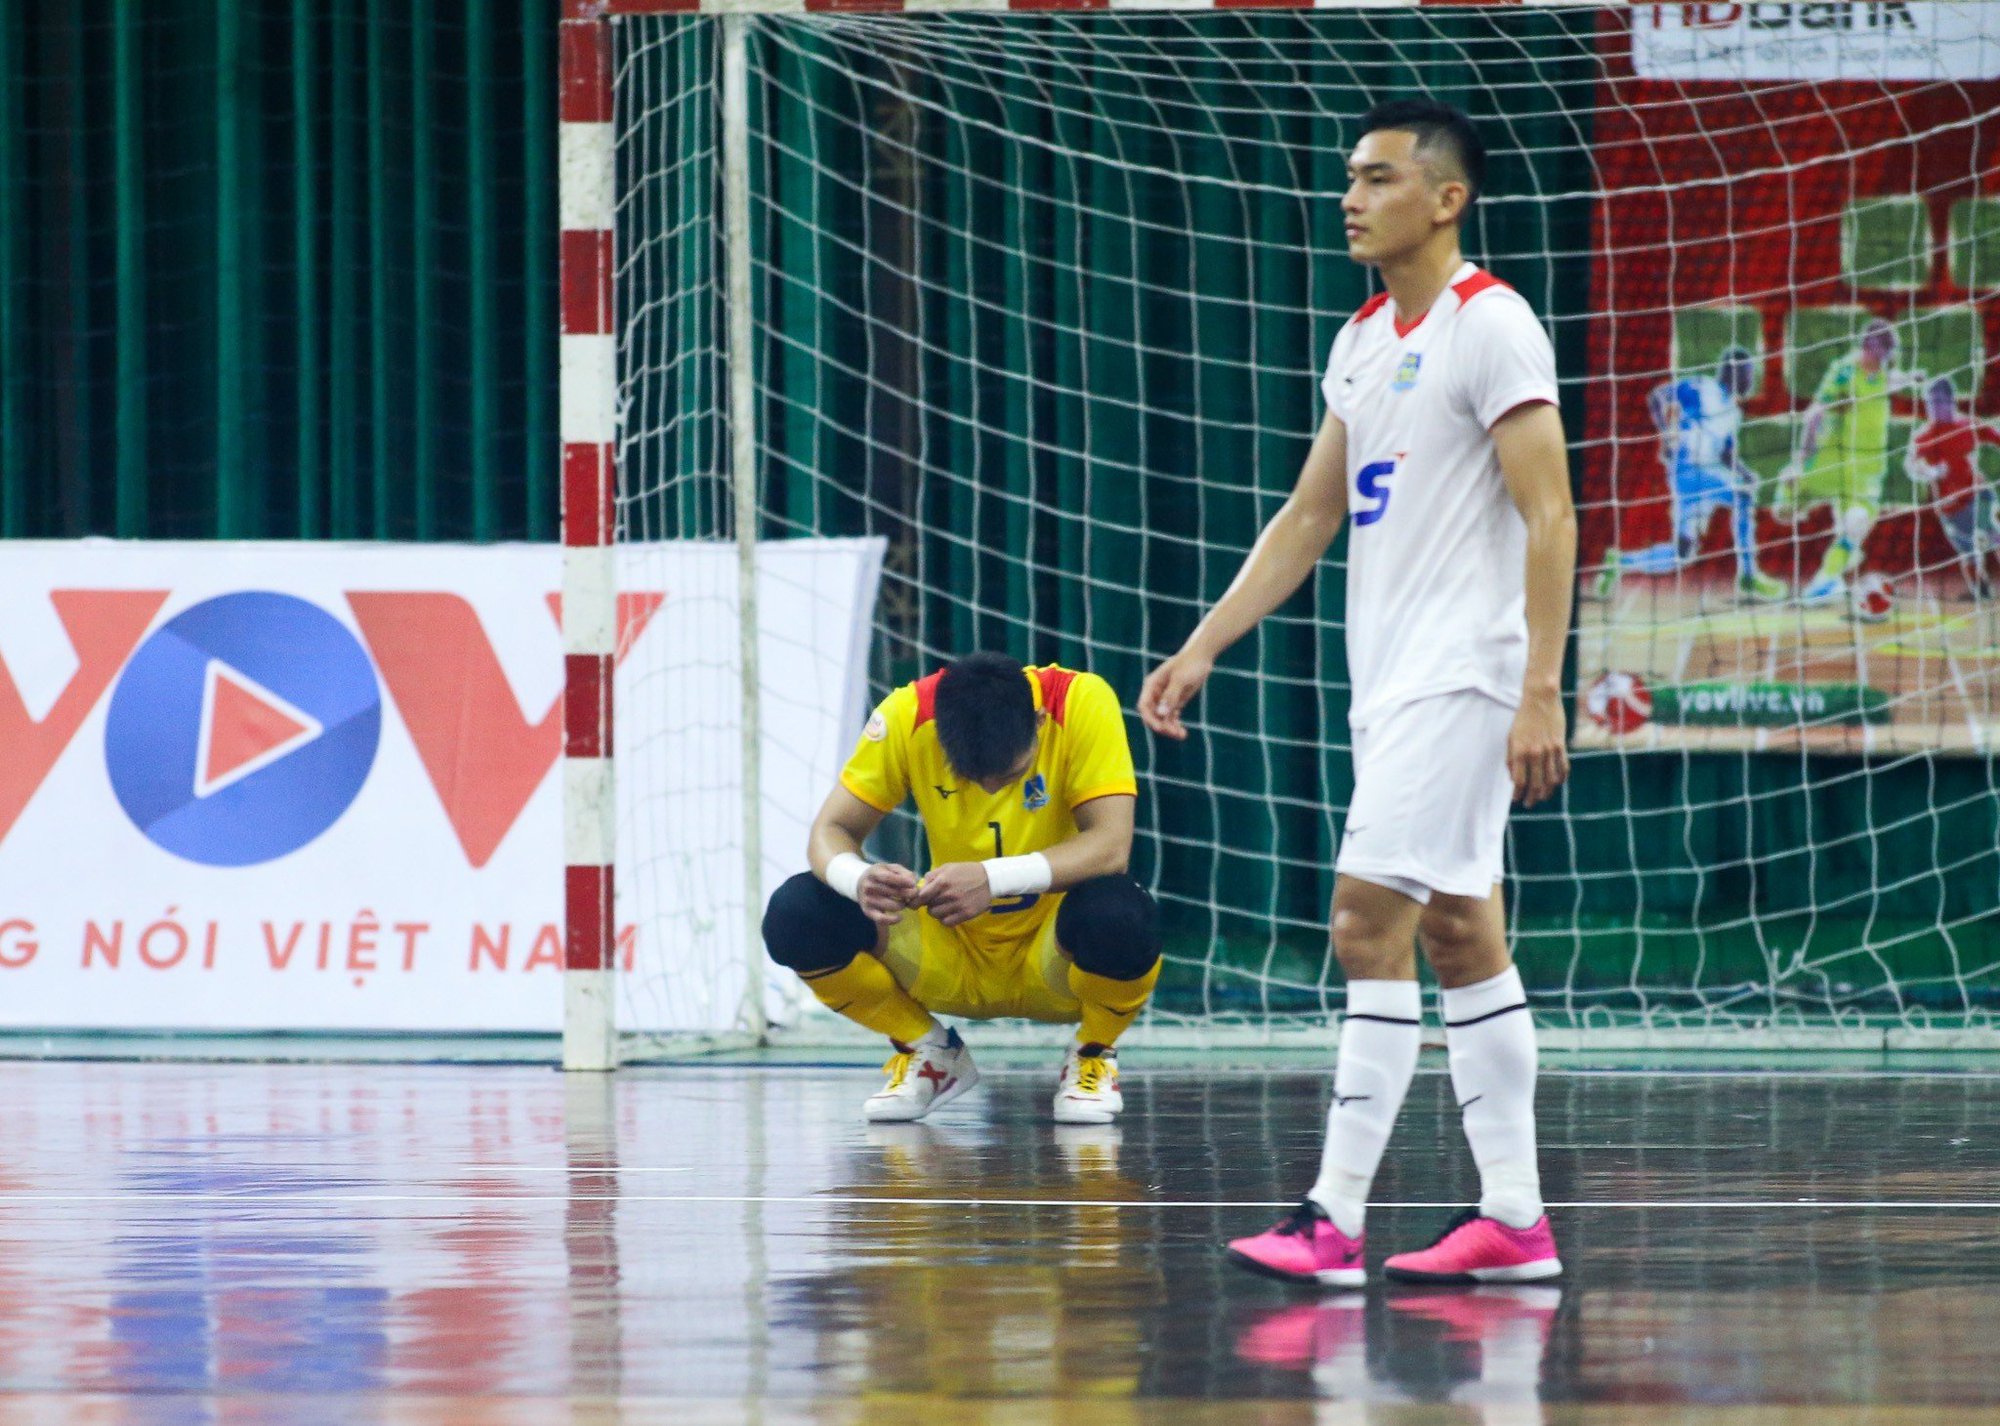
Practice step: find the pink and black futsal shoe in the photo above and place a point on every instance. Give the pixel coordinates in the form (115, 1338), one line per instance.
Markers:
(1303, 1246)
(1474, 1248)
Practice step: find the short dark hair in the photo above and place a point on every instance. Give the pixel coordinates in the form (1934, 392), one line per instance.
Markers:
(1437, 125)
(985, 715)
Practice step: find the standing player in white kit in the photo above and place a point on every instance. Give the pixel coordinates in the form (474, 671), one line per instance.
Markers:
(1443, 440)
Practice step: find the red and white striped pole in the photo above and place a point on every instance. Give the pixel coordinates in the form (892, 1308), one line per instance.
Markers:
(588, 367)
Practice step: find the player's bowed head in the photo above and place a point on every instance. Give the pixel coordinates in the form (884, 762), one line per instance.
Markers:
(987, 720)
(989, 728)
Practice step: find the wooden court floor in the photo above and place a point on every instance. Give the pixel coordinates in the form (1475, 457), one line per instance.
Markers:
(730, 1243)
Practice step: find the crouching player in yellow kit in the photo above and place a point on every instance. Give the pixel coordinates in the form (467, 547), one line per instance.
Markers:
(1024, 781)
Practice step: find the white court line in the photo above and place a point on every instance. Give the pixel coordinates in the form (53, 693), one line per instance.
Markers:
(251, 1196)
(850, 1199)
(1683, 1074)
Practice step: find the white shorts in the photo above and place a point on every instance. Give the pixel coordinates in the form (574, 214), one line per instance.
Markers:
(1431, 793)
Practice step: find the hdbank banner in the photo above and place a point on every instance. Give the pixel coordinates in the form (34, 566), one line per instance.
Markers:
(317, 787)
(1869, 40)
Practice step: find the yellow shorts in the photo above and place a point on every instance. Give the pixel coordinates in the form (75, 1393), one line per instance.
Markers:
(950, 972)
(1842, 482)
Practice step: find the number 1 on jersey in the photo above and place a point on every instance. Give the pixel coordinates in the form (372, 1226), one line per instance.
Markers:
(1012, 903)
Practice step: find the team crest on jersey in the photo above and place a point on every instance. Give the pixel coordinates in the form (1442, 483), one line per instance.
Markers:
(1035, 793)
(877, 729)
(1406, 374)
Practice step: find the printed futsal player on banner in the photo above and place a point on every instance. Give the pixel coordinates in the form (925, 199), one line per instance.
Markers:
(1944, 459)
(1024, 780)
(1844, 457)
(1443, 439)
(1699, 418)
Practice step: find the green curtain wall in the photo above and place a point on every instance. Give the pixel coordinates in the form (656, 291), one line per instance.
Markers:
(278, 268)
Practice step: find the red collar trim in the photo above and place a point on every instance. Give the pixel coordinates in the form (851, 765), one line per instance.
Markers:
(1482, 281)
(927, 688)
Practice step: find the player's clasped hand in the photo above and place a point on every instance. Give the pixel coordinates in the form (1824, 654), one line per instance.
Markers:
(956, 892)
(1537, 748)
(1168, 689)
(887, 890)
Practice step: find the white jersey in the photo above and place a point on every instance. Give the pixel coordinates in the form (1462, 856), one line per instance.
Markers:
(1436, 578)
(1705, 424)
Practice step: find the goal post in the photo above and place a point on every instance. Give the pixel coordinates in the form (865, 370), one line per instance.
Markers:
(1035, 298)
(588, 406)
(590, 374)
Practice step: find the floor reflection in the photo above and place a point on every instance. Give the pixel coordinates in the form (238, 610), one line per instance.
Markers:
(992, 1300)
(1482, 1347)
(241, 1298)
(224, 1244)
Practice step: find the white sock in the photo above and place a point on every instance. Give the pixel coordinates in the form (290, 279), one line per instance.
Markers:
(1490, 1038)
(1378, 1054)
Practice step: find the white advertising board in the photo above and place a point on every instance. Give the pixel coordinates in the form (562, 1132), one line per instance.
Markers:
(317, 787)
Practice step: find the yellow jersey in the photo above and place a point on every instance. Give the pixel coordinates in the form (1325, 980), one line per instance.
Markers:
(1082, 754)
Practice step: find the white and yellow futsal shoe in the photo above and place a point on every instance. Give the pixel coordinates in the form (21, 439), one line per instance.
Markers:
(1088, 1091)
(921, 1078)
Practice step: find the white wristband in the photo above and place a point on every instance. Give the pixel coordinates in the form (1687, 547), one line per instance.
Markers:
(1017, 876)
(844, 874)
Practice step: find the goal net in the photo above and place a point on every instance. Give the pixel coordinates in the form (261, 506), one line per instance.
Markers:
(1039, 301)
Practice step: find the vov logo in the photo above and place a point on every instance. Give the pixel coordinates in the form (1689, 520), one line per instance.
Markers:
(242, 728)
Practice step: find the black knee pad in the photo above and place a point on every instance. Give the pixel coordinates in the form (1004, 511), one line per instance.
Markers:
(811, 928)
(1110, 925)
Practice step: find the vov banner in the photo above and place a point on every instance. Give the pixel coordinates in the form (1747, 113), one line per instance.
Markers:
(318, 787)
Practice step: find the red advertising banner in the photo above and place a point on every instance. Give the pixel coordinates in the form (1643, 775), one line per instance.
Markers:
(1789, 526)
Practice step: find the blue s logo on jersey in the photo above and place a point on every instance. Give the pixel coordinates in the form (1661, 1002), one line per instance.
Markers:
(1035, 793)
(1371, 483)
(1406, 374)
